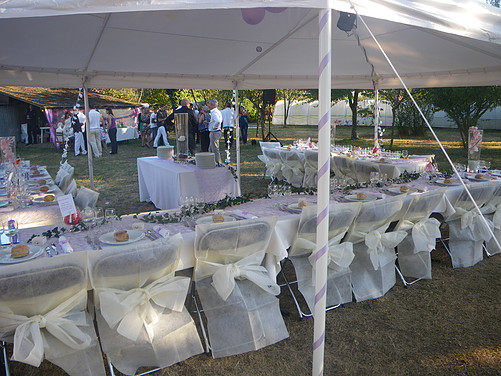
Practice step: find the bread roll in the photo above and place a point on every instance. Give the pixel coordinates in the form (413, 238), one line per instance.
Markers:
(42, 182)
(121, 236)
(361, 196)
(404, 189)
(447, 181)
(217, 218)
(302, 204)
(19, 251)
(382, 160)
(49, 198)
(479, 176)
(44, 188)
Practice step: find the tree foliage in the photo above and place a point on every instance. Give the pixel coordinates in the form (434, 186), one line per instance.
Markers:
(290, 96)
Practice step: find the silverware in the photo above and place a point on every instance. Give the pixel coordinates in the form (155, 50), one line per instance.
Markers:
(90, 242)
(47, 250)
(97, 243)
(154, 235)
(149, 236)
(54, 249)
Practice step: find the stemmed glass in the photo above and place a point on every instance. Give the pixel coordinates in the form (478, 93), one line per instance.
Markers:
(98, 220)
(405, 154)
(88, 217)
(11, 229)
(110, 216)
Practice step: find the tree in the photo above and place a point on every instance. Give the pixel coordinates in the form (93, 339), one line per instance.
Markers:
(293, 95)
(395, 97)
(496, 3)
(464, 105)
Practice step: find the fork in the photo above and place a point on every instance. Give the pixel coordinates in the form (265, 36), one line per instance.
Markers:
(47, 250)
(89, 241)
(97, 243)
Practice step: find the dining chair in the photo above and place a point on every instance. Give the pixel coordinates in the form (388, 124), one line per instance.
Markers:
(292, 167)
(363, 169)
(140, 305)
(310, 168)
(43, 313)
(86, 198)
(413, 253)
(373, 268)
(343, 168)
(340, 255)
(492, 211)
(266, 145)
(72, 189)
(467, 230)
(66, 179)
(273, 164)
(236, 291)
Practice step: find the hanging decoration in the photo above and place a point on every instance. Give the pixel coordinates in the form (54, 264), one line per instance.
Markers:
(253, 16)
(74, 119)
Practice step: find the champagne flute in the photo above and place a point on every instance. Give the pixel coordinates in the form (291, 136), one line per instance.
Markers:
(88, 217)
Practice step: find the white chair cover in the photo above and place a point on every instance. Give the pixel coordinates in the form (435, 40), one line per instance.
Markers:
(66, 166)
(266, 145)
(86, 198)
(302, 254)
(467, 230)
(72, 188)
(373, 268)
(43, 312)
(273, 163)
(343, 168)
(310, 168)
(414, 257)
(66, 179)
(140, 312)
(236, 291)
(364, 168)
(292, 167)
(492, 211)
(61, 173)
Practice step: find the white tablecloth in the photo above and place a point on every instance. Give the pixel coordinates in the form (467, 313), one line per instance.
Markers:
(124, 134)
(166, 183)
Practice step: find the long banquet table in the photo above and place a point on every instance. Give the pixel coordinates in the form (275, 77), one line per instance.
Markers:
(165, 183)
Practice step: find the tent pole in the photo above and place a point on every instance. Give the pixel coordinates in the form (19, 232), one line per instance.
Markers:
(87, 131)
(376, 113)
(237, 129)
(324, 129)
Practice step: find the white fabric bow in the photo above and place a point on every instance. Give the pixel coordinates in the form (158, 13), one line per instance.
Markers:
(274, 167)
(425, 233)
(132, 309)
(29, 342)
(472, 220)
(377, 242)
(224, 275)
(310, 176)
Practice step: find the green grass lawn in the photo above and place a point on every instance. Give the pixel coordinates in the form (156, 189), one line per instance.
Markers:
(115, 176)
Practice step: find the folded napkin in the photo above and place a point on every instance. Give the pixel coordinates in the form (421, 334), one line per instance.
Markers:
(244, 214)
(138, 226)
(163, 232)
(39, 240)
(63, 242)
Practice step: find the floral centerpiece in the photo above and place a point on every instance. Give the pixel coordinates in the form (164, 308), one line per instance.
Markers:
(474, 145)
(8, 148)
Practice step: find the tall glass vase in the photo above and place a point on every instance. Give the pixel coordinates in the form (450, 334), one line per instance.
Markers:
(8, 151)
(475, 136)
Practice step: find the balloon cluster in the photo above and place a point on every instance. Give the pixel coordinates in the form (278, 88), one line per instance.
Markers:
(253, 16)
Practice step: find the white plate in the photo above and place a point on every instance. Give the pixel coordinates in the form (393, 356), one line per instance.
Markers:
(3, 193)
(40, 200)
(5, 257)
(208, 219)
(473, 178)
(441, 182)
(354, 198)
(295, 206)
(3, 203)
(134, 236)
(397, 191)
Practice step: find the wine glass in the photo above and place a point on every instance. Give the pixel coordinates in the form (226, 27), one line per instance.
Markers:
(405, 154)
(110, 216)
(98, 216)
(88, 217)
(11, 229)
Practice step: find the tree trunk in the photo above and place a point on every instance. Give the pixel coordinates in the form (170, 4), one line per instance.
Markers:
(354, 112)
(393, 114)
(286, 111)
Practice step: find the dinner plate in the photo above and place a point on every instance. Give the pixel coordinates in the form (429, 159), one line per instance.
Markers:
(3, 203)
(295, 207)
(441, 182)
(208, 219)
(3, 193)
(134, 236)
(397, 191)
(5, 257)
(354, 198)
(41, 200)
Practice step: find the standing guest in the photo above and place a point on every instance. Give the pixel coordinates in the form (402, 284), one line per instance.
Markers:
(144, 126)
(153, 122)
(31, 120)
(203, 129)
(111, 127)
(197, 112)
(215, 129)
(192, 122)
(161, 127)
(82, 119)
(104, 138)
(67, 127)
(243, 123)
(95, 120)
(228, 115)
(79, 139)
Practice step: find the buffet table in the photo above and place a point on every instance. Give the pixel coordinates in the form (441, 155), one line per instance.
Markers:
(124, 134)
(166, 183)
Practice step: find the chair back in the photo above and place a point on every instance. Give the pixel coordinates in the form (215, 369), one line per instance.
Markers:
(66, 179)
(269, 145)
(421, 207)
(481, 193)
(86, 198)
(72, 189)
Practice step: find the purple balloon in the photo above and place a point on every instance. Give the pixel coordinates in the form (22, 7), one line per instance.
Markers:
(253, 16)
(275, 10)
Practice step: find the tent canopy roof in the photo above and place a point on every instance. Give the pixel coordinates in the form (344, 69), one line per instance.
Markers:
(59, 98)
(201, 44)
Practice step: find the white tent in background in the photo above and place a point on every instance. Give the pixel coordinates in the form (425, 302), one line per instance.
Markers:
(70, 43)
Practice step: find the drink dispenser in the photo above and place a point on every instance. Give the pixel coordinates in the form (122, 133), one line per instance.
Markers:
(181, 124)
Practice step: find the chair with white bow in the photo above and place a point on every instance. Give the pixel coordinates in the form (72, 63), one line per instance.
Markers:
(72, 189)
(310, 168)
(373, 268)
(273, 163)
(344, 168)
(43, 313)
(292, 167)
(492, 211)
(340, 255)
(86, 198)
(467, 229)
(238, 294)
(140, 312)
(266, 145)
(413, 255)
(66, 179)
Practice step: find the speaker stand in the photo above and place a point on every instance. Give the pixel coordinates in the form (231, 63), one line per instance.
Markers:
(269, 135)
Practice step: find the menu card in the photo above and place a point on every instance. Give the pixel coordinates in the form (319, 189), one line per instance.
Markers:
(66, 205)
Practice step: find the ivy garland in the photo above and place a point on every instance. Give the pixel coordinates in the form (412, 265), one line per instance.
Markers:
(192, 210)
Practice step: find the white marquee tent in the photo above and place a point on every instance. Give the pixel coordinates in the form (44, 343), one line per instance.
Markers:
(235, 44)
